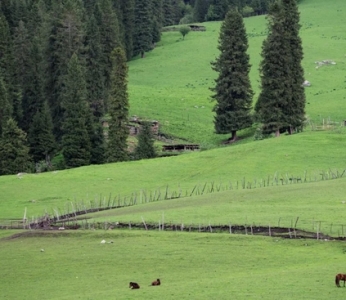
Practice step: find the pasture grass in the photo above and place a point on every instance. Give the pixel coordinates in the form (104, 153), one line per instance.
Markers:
(298, 155)
(318, 206)
(74, 265)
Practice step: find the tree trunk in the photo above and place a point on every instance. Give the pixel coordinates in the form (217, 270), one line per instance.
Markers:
(233, 138)
(277, 133)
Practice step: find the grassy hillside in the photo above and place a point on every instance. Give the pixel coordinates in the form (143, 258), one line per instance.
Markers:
(172, 83)
(304, 155)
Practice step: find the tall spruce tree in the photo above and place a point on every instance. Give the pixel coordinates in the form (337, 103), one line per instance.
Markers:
(95, 78)
(40, 136)
(118, 109)
(65, 38)
(14, 153)
(157, 20)
(233, 92)
(7, 67)
(168, 12)
(75, 139)
(145, 148)
(128, 17)
(109, 35)
(21, 51)
(37, 118)
(95, 90)
(142, 39)
(295, 109)
(281, 103)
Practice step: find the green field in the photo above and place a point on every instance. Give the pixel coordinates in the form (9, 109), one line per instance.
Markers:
(250, 179)
(208, 266)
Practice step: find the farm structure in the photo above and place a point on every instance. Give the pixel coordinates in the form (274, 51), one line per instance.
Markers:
(180, 147)
(134, 125)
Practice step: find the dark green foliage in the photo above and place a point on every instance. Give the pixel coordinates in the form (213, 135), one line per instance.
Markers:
(37, 120)
(273, 70)
(168, 13)
(22, 59)
(97, 142)
(66, 35)
(95, 91)
(233, 91)
(95, 79)
(145, 147)
(281, 102)
(295, 109)
(184, 30)
(40, 137)
(128, 17)
(5, 44)
(118, 109)
(157, 19)
(200, 10)
(109, 35)
(217, 10)
(142, 39)
(7, 68)
(14, 153)
(5, 107)
(75, 139)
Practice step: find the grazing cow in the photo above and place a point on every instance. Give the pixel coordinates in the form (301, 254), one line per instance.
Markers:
(134, 285)
(338, 278)
(156, 282)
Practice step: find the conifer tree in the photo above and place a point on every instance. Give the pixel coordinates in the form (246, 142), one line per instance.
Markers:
(145, 148)
(40, 136)
(7, 67)
(97, 140)
(109, 35)
(168, 13)
(5, 107)
(14, 153)
(128, 17)
(281, 102)
(157, 13)
(142, 38)
(66, 38)
(21, 51)
(273, 71)
(118, 109)
(75, 139)
(95, 79)
(200, 10)
(233, 91)
(295, 109)
(95, 83)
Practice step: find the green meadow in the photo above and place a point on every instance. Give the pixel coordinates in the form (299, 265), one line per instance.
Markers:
(76, 265)
(251, 180)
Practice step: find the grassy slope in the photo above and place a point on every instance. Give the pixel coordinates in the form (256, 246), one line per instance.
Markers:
(317, 204)
(292, 155)
(77, 266)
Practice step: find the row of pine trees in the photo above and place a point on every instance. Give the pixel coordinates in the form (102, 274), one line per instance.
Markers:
(280, 106)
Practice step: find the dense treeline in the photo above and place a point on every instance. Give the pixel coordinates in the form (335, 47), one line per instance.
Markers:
(58, 75)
